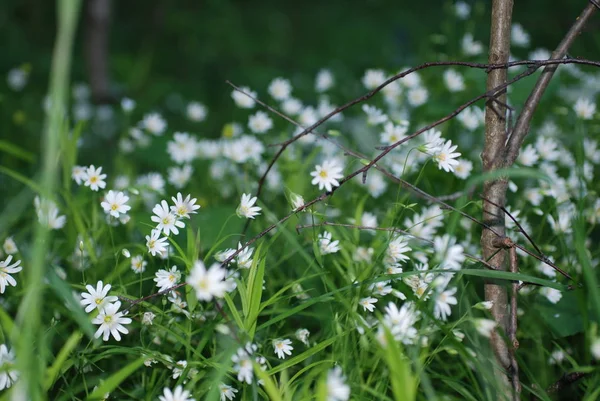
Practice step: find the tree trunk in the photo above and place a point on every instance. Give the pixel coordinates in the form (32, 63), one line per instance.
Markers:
(492, 157)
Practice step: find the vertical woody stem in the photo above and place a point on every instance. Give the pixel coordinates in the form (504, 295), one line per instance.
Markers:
(495, 190)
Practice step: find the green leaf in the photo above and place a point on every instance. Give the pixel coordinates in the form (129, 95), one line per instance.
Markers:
(64, 292)
(16, 151)
(565, 317)
(268, 383)
(305, 355)
(53, 371)
(255, 284)
(115, 379)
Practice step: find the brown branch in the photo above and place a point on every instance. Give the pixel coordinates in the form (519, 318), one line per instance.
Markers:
(566, 380)
(524, 121)
(512, 334)
(495, 138)
(521, 229)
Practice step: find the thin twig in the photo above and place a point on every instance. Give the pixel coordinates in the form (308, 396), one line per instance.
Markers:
(521, 229)
(524, 121)
(512, 335)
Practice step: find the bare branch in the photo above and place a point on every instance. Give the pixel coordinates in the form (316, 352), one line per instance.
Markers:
(524, 121)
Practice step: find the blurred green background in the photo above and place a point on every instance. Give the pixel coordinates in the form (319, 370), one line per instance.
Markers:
(165, 53)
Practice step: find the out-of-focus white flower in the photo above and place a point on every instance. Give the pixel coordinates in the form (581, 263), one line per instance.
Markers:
(584, 108)
(280, 89)
(196, 111)
(417, 96)
(454, 81)
(373, 78)
(154, 124)
(518, 36)
(553, 295)
(337, 389)
(242, 100)
(259, 123)
(208, 283)
(471, 47)
(324, 80)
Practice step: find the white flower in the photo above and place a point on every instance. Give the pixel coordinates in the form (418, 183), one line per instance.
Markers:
(326, 175)
(397, 248)
(259, 123)
(6, 269)
(471, 118)
(393, 133)
(454, 81)
(183, 148)
(243, 363)
(17, 79)
(47, 213)
(463, 169)
(417, 96)
(8, 375)
(448, 252)
(471, 47)
(445, 157)
(462, 9)
(179, 394)
(337, 389)
(9, 246)
(373, 78)
(208, 283)
(540, 54)
(292, 106)
(296, 200)
(138, 264)
(227, 392)
(374, 115)
(154, 123)
(127, 104)
(594, 348)
(441, 309)
(518, 36)
(178, 368)
(553, 295)
(97, 298)
(584, 108)
(528, 156)
(244, 258)
(376, 185)
(196, 111)
(280, 89)
(94, 178)
(381, 288)
(242, 100)
(184, 207)
(484, 326)
(547, 148)
(115, 203)
(167, 221)
(148, 318)
(324, 80)
(155, 244)
(180, 176)
(368, 304)
(246, 208)
(400, 322)
(166, 279)
(111, 322)
(282, 347)
(326, 245)
(78, 173)
(302, 336)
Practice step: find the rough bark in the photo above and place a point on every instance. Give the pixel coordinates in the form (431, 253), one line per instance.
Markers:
(492, 157)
